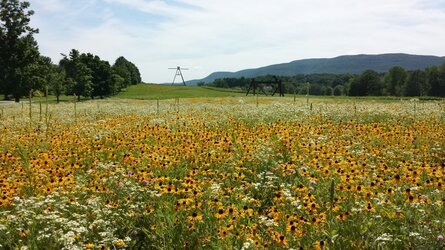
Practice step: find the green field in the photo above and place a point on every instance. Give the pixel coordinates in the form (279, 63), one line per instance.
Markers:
(157, 91)
(163, 92)
(154, 92)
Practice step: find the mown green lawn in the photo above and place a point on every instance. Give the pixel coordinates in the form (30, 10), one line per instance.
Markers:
(161, 92)
(155, 91)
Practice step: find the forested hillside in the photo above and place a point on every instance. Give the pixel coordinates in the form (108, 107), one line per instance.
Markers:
(398, 81)
(354, 64)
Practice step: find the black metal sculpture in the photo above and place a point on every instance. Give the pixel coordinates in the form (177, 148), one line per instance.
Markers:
(178, 73)
(276, 85)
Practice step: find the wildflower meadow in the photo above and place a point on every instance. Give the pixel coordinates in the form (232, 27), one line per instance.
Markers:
(223, 173)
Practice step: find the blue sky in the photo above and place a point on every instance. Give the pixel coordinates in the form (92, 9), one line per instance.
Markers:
(208, 35)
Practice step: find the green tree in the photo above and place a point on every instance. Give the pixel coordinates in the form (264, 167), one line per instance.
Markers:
(78, 75)
(102, 83)
(356, 87)
(290, 88)
(221, 83)
(395, 81)
(368, 83)
(45, 75)
(434, 81)
(117, 81)
(38, 74)
(339, 90)
(126, 70)
(327, 90)
(18, 49)
(372, 81)
(417, 84)
(315, 89)
(440, 88)
(57, 81)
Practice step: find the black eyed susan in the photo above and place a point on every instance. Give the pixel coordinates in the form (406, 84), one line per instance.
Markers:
(194, 217)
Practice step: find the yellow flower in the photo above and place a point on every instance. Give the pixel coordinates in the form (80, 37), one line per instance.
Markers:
(194, 217)
(23, 233)
(89, 246)
(119, 243)
(246, 211)
(280, 239)
(343, 216)
(220, 213)
(369, 208)
(320, 245)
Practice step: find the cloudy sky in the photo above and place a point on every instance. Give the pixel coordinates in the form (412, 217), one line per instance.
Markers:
(231, 35)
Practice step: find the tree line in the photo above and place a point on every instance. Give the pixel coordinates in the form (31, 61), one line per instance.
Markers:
(396, 82)
(23, 69)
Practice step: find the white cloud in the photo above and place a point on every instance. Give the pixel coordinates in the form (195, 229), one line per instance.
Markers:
(150, 6)
(210, 35)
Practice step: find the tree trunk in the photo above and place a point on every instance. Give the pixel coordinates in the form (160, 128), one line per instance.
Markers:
(78, 98)
(17, 98)
(57, 98)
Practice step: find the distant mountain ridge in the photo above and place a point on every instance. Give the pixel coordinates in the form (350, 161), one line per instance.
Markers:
(338, 65)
